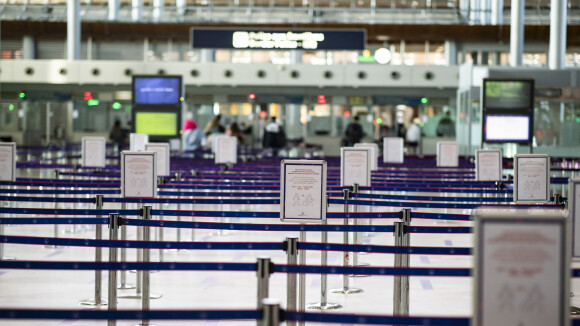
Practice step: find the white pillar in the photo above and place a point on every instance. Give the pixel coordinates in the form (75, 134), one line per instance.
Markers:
(114, 8)
(474, 11)
(497, 12)
(180, 8)
(517, 33)
(28, 47)
(73, 30)
(451, 53)
(137, 10)
(158, 10)
(557, 52)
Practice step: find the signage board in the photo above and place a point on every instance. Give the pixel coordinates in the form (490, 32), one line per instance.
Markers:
(138, 141)
(226, 149)
(522, 268)
(163, 159)
(532, 178)
(488, 165)
(447, 154)
(7, 161)
(574, 211)
(303, 190)
(374, 154)
(94, 150)
(278, 39)
(175, 144)
(355, 166)
(138, 174)
(393, 150)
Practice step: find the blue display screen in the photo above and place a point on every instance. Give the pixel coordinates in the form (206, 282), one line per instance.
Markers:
(156, 90)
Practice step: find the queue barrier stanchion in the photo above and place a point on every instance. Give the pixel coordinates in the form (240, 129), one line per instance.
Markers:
(123, 274)
(291, 248)
(56, 175)
(114, 223)
(160, 232)
(324, 304)
(98, 300)
(302, 276)
(401, 283)
(178, 177)
(145, 299)
(145, 212)
(346, 289)
(356, 239)
(2, 257)
(193, 174)
(264, 268)
(271, 313)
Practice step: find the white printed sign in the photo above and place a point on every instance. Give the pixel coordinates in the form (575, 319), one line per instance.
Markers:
(175, 144)
(532, 178)
(355, 166)
(303, 190)
(7, 161)
(138, 174)
(574, 211)
(94, 150)
(138, 141)
(447, 154)
(374, 154)
(393, 151)
(522, 269)
(226, 150)
(163, 159)
(488, 164)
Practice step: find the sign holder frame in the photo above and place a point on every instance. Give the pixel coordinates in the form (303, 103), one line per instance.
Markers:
(284, 164)
(166, 158)
(12, 146)
(343, 151)
(127, 154)
(500, 161)
(541, 217)
(400, 142)
(374, 154)
(439, 156)
(516, 193)
(103, 145)
(217, 154)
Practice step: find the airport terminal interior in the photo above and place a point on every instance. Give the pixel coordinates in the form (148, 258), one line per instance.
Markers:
(289, 162)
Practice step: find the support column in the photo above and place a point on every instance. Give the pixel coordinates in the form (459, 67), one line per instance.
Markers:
(28, 47)
(474, 12)
(180, 9)
(451, 53)
(207, 55)
(73, 30)
(517, 33)
(484, 16)
(114, 8)
(158, 10)
(497, 12)
(137, 10)
(557, 52)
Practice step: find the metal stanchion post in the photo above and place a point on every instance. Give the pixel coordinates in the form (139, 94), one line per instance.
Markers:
(401, 283)
(123, 274)
(142, 255)
(291, 248)
(193, 174)
(2, 257)
(55, 196)
(160, 181)
(324, 304)
(345, 278)
(178, 178)
(145, 274)
(271, 315)
(114, 222)
(356, 235)
(302, 277)
(97, 301)
(264, 269)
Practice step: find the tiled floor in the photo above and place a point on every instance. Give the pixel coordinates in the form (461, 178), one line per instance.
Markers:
(429, 296)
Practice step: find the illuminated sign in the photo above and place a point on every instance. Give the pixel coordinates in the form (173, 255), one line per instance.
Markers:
(278, 39)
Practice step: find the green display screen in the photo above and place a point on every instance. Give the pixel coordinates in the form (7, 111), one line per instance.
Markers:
(156, 123)
(508, 94)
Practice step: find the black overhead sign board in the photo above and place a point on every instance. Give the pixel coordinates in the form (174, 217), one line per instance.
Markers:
(278, 39)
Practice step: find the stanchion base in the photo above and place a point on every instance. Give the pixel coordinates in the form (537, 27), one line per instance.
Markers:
(135, 271)
(53, 247)
(326, 306)
(347, 290)
(126, 286)
(7, 258)
(358, 275)
(139, 296)
(141, 324)
(93, 302)
(574, 311)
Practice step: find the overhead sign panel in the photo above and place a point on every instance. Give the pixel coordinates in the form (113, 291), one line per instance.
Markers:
(278, 39)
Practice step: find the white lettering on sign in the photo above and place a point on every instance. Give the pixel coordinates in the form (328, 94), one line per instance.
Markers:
(283, 40)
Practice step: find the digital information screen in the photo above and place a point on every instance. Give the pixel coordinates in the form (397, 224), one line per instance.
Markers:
(278, 39)
(156, 90)
(506, 94)
(157, 123)
(504, 128)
